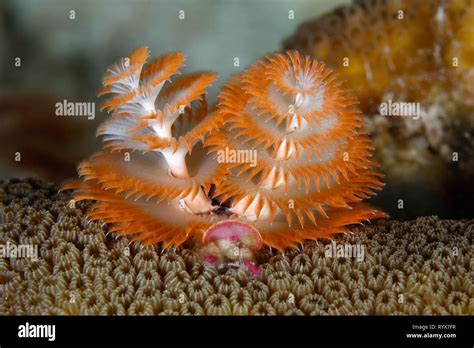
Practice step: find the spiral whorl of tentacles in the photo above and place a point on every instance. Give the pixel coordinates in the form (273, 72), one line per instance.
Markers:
(310, 170)
(312, 167)
(140, 178)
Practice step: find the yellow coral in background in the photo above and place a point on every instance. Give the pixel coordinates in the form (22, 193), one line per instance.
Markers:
(398, 46)
(406, 51)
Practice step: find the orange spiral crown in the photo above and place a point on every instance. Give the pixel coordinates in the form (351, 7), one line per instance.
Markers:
(313, 166)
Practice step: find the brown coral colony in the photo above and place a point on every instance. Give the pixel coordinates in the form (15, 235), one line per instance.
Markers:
(146, 280)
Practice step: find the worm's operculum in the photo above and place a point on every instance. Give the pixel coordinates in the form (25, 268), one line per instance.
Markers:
(231, 243)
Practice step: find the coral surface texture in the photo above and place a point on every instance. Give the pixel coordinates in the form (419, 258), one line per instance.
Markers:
(420, 267)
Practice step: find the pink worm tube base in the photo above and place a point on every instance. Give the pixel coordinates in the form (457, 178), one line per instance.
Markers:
(234, 231)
